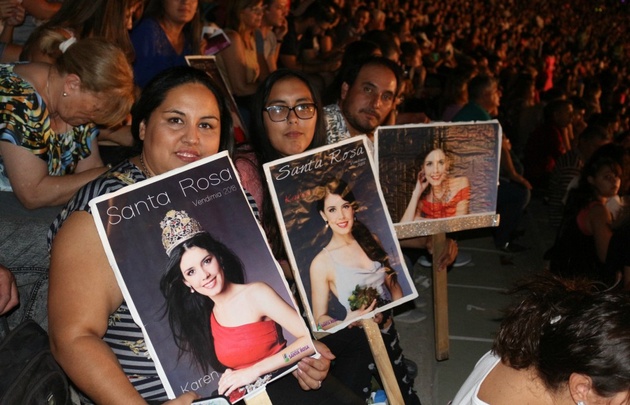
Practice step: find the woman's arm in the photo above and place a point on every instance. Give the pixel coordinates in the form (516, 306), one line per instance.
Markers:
(83, 292)
(234, 61)
(600, 221)
(320, 289)
(32, 184)
(272, 306)
(320, 281)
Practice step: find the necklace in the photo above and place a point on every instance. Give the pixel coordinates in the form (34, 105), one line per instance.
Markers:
(145, 170)
(443, 200)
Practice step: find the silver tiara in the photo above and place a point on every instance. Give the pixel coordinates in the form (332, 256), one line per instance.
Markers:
(178, 227)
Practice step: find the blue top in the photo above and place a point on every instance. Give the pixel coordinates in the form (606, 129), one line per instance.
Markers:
(154, 52)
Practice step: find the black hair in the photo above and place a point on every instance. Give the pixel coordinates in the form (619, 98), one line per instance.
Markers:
(478, 85)
(553, 107)
(564, 326)
(352, 73)
(386, 40)
(156, 90)
(369, 244)
(189, 313)
(355, 52)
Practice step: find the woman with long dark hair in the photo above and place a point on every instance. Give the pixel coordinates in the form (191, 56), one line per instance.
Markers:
(353, 257)
(581, 245)
(228, 325)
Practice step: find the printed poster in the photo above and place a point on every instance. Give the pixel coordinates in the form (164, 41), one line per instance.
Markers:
(209, 286)
(338, 234)
(439, 175)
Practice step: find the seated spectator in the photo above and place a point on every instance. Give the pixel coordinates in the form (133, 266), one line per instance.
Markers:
(166, 34)
(414, 73)
(568, 167)
(316, 18)
(354, 28)
(548, 142)
(285, 88)
(241, 64)
(561, 342)
(454, 97)
(89, 319)
(581, 245)
(514, 189)
(273, 28)
(84, 19)
(48, 141)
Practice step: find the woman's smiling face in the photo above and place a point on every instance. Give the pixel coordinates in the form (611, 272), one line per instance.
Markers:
(202, 271)
(339, 214)
(435, 167)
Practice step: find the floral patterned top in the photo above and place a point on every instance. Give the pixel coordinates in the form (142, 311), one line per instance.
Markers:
(24, 121)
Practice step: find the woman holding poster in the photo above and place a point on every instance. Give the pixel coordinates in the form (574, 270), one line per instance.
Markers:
(353, 265)
(436, 193)
(179, 118)
(233, 327)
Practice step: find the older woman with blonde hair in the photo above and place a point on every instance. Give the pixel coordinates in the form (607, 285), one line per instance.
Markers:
(48, 149)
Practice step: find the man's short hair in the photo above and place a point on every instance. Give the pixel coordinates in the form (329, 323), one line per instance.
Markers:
(478, 85)
(554, 107)
(350, 75)
(594, 133)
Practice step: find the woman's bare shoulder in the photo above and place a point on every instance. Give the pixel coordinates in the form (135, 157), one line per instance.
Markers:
(321, 262)
(458, 183)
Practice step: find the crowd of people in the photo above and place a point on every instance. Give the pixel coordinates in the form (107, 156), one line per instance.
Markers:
(304, 74)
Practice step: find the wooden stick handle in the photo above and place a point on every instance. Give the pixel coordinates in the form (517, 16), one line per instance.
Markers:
(383, 364)
(261, 398)
(440, 300)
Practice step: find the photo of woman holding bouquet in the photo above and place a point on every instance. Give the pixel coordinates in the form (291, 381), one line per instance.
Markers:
(353, 265)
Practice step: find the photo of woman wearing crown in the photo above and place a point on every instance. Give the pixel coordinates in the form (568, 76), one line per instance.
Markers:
(226, 324)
